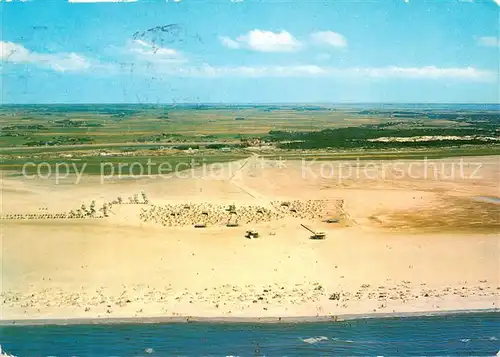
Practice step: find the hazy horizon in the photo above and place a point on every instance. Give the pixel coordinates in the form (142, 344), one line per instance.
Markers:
(257, 104)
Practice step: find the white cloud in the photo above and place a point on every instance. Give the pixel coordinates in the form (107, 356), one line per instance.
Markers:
(169, 62)
(328, 38)
(488, 41)
(61, 62)
(150, 52)
(497, 2)
(283, 41)
(149, 58)
(229, 43)
(428, 72)
(424, 73)
(264, 41)
(263, 71)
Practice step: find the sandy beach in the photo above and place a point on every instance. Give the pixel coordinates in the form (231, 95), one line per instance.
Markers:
(424, 243)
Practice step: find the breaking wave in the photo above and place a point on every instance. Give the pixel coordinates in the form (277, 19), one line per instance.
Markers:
(312, 340)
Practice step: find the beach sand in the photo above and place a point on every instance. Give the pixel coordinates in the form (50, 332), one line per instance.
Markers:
(402, 244)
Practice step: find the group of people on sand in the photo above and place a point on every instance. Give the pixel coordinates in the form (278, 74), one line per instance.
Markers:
(204, 214)
(207, 214)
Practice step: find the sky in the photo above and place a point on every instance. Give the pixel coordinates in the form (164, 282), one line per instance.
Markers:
(249, 51)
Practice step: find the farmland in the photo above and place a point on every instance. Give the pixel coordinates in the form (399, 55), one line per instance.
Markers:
(177, 135)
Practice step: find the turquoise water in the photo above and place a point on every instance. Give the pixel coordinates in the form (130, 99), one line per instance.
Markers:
(488, 199)
(452, 335)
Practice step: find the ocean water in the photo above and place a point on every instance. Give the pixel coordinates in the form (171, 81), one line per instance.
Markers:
(452, 335)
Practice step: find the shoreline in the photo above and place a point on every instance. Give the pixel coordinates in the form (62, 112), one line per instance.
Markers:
(234, 320)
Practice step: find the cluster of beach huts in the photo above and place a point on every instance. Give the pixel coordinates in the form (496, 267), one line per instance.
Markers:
(308, 209)
(135, 199)
(84, 211)
(199, 215)
(205, 214)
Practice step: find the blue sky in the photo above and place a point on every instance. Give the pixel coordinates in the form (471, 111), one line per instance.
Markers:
(233, 51)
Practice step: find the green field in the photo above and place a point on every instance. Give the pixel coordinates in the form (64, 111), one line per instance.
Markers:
(404, 154)
(75, 125)
(122, 166)
(105, 136)
(135, 124)
(62, 125)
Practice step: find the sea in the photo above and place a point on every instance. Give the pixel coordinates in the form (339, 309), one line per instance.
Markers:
(471, 334)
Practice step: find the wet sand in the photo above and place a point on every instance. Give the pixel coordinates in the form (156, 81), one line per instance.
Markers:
(242, 320)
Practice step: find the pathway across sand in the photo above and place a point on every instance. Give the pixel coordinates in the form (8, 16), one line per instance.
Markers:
(237, 178)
